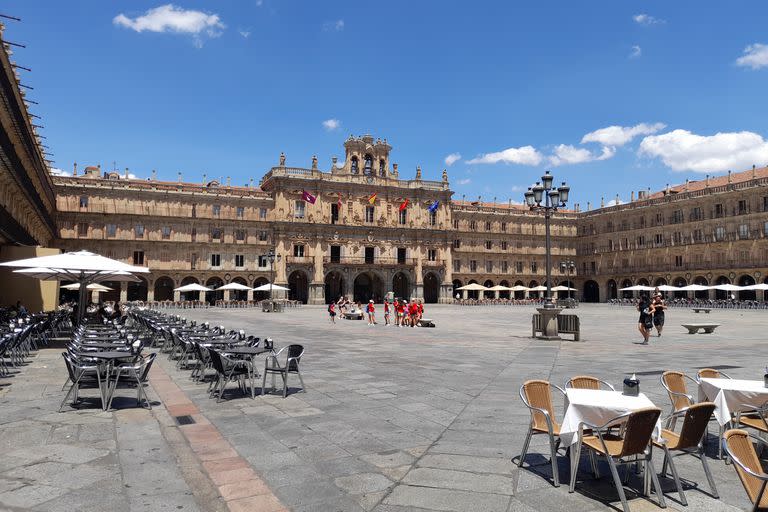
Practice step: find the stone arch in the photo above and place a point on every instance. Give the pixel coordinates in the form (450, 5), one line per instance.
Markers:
(334, 286)
(189, 295)
(400, 285)
(456, 285)
(680, 282)
(722, 294)
(298, 286)
(112, 295)
(472, 294)
(260, 281)
(164, 288)
(488, 284)
(660, 282)
(239, 294)
(643, 282)
(214, 283)
(534, 284)
(519, 294)
(431, 288)
(591, 291)
(626, 294)
(504, 294)
(566, 294)
(747, 280)
(354, 165)
(368, 165)
(613, 290)
(701, 294)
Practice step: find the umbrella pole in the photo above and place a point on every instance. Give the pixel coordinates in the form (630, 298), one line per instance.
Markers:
(83, 294)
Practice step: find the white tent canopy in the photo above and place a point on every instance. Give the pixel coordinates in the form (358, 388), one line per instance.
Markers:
(758, 286)
(668, 288)
(519, 288)
(268, 286)
(694, 288)
(94, 287)
(234, 286)
(562, 288)
(499, 288)
(637, 288)
(475, 287)
(540, 288)
(192, 287)
(727, 287)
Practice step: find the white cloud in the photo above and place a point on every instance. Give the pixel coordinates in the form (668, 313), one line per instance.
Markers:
(170, 18)
(333, 26)
(259, 3)
(452, 159)
(567, 154)
(331, 124)
(755, 56)
(682, 150)
(620, 135)
(647, 19)
(245, 33)
(614, 202)
(525, 155)
(465, 181)
(637, 52)
(54, 171)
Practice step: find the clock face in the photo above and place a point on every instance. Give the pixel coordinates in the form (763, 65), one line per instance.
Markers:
(369, 179)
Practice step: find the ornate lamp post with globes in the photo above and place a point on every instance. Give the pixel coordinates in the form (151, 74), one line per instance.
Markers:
(543, 197)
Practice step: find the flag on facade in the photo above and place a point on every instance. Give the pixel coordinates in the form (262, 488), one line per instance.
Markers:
(372, 199)
(339, 202)
(404, 205)
(307, 197)
(433, 208)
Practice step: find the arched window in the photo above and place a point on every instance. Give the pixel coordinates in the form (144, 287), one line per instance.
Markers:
(354, 167)
(382, 167)
(368, 170)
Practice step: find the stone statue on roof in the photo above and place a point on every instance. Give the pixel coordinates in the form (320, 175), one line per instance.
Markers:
(282, 159)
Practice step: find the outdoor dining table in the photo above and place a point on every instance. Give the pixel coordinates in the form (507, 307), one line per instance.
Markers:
(104, 345)
(597, 407)
(246, 351)
(108, 358)
(730, 395)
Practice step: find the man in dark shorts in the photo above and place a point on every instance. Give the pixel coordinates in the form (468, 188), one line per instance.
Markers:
(645, 323)
(658, 307)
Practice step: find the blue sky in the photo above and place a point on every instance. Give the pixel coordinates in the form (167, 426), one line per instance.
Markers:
(612, 96)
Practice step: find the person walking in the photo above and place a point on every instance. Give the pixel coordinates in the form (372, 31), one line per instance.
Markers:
(371, 309)
(386, 312)
(645, 323)
(658, 306)
(332, 312)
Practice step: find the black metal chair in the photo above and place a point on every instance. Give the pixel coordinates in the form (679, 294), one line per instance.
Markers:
(133, 374)
(272, 366)
(229, 370)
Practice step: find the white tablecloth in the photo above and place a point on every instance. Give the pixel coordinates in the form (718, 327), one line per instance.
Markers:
(729, 394)
(597, 407)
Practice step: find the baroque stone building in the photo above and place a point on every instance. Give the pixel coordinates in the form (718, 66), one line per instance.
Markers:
(370, 231)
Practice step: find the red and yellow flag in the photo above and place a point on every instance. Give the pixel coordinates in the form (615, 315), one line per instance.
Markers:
(404, 205)
(372, 199)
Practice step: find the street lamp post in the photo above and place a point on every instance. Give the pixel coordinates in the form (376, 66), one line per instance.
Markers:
(570, 266)
(271, 257)
(552, 198)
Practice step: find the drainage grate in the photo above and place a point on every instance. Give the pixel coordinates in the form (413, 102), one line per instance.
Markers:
(184, 420)
(721, 367)
(650, 372)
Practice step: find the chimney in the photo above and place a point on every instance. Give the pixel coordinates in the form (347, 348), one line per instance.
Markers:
(126, 173)
(687, 181)
(228, 181)
(632, 197)
(205, 179)
(754, 171)
(667, 190)
(179, 176)
(74, 170)
(729, 176)
(617, 199)
(250, 184)
(706, 181)
(589, 205)
(602, 202)
(154, 175)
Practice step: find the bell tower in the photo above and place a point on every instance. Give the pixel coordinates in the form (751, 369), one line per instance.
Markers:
(366, 157)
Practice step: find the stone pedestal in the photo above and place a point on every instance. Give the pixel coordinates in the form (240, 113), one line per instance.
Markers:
(549, 323)
(316, 293)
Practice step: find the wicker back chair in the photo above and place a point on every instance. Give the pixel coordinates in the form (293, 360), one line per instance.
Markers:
(690, 441)
(634, 445)
(754, 417)
(738, 445)
(587, 382)
(711, 373)
(677, 389)
(537, 397)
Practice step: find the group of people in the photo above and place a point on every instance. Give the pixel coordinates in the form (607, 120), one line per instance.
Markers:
(651, 315)
(399, 312)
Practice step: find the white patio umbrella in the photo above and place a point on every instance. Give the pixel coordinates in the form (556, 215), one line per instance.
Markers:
(234, 286)
(192, 287)
(758, 286)
(473, 287)
(499, 288)
(727, 287)
(637, 288)
(519, 288)
(94, 287)
(83, 267)
(269, 286)
(562, 288)
(540, 288)
(694, 288)
(668, 288)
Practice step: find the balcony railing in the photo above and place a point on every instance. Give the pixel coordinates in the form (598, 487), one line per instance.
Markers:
(355, 260)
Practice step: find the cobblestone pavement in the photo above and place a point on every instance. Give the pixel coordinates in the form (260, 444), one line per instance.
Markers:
(393, 420)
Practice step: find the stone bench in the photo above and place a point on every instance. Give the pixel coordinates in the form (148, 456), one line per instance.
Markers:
(694, 328)
(426, 322)
(358, 315)
(699, 310)
(566, 324)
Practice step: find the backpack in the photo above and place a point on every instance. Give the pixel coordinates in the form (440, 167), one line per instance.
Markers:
(330, 308)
